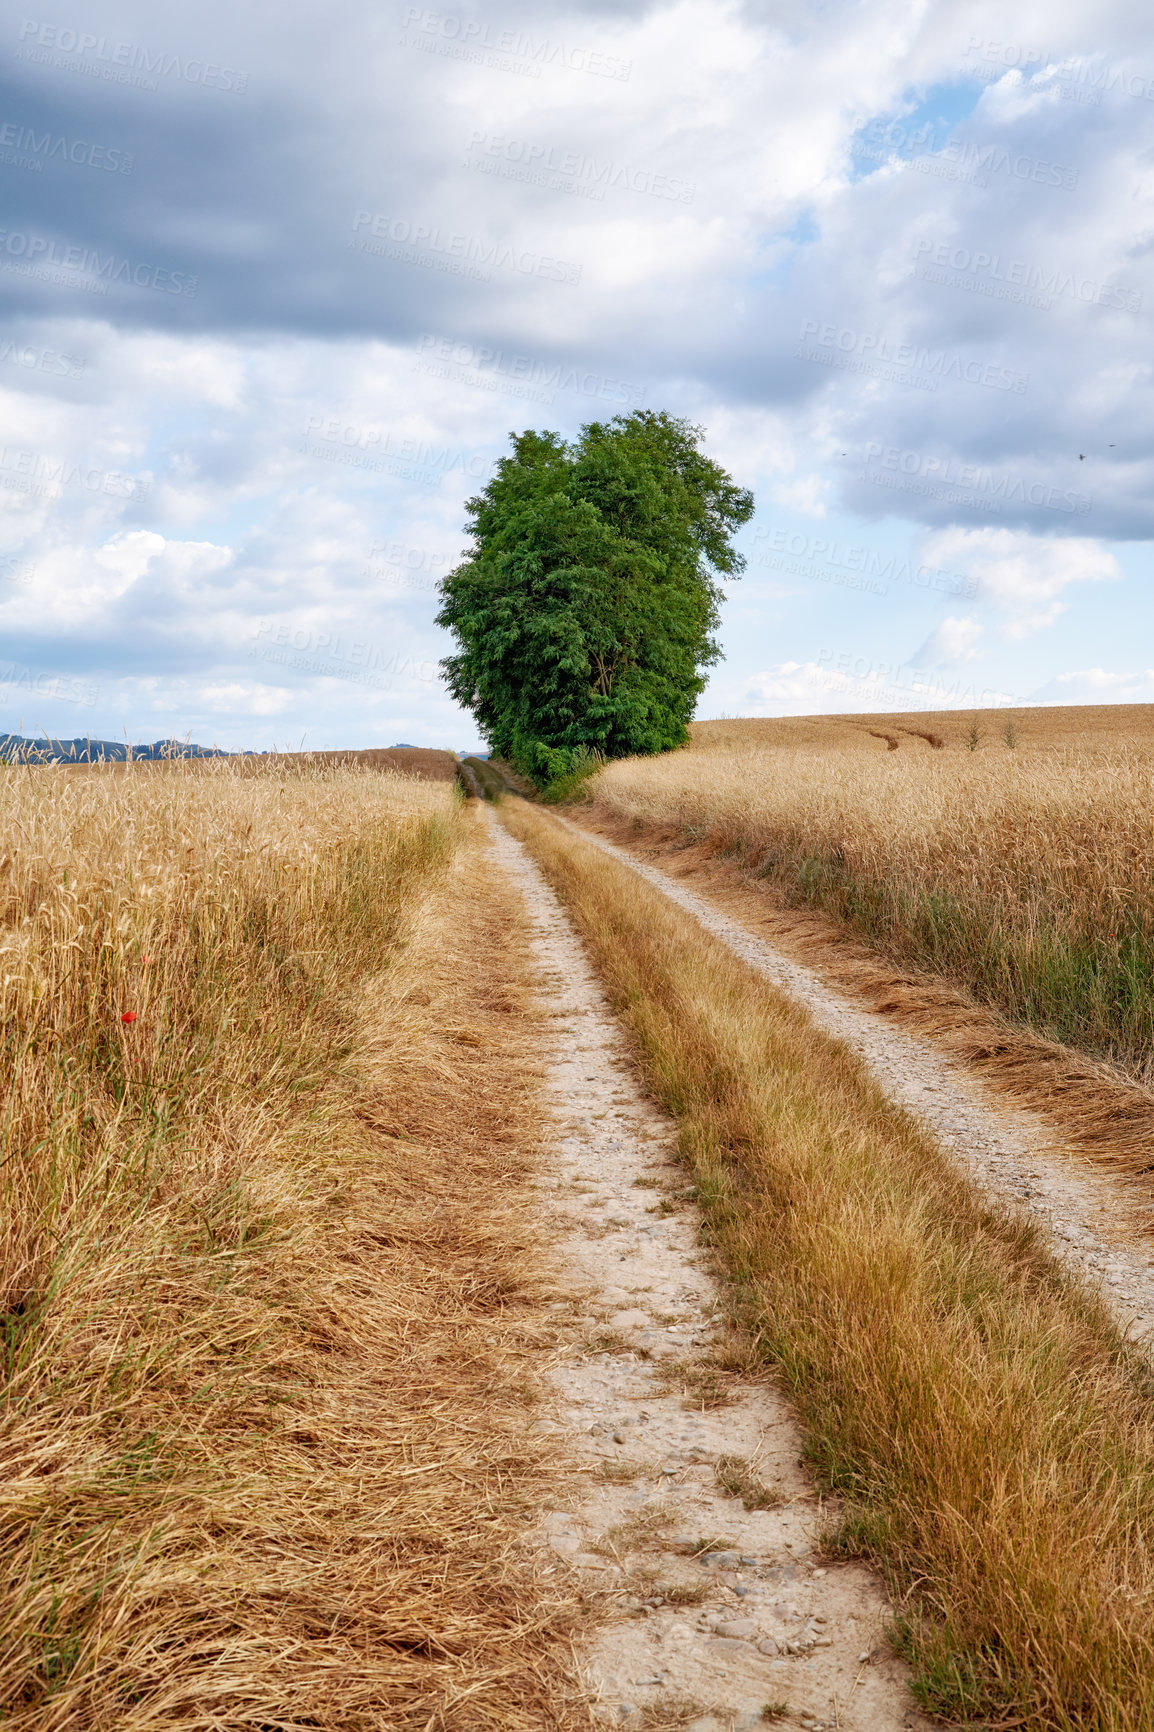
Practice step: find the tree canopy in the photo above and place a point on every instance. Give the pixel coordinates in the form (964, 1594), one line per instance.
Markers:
(587, 607)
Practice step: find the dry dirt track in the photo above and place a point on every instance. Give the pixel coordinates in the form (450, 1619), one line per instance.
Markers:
(1095, 1220)
(714, 1611)
(768, 1609)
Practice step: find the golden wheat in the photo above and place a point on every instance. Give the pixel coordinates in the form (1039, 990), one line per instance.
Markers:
(269, 1302)
(1020, 873)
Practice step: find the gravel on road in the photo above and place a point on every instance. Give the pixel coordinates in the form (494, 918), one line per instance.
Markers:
(713, 1611)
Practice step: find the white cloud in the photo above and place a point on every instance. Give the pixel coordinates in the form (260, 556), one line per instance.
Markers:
(1097, 686)
(250, 700)
(128, 556)
(1025, 576)
(955, 640)
(847, 685)
(1096, 679)
(807, 494)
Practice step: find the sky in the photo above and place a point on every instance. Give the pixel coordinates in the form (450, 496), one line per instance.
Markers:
(277, 284)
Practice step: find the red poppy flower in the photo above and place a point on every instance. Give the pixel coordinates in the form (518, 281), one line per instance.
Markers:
(147, 961)
(129, 1016)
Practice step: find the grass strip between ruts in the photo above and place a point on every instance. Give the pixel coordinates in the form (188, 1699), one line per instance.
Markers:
(989, 1429)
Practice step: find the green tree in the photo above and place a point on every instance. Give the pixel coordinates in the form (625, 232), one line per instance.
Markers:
(586, 609)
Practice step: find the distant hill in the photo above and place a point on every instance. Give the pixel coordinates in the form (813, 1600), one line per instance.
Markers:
(15, 748)
(428, 762)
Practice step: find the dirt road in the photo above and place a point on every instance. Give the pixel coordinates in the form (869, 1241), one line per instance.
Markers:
(1095, 1220)
(716, 1611)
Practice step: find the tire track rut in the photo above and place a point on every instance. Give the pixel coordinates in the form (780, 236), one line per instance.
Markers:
(1092, 1218)
(715, 1610)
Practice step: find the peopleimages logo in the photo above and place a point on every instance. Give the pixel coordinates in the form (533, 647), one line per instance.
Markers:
(954, 158)
(32, 149)
(810, 554)
(921, 688)
(571, 170)
(1070, 71)
(881, 139)
(987, 159)
(405, 567)
(15, 677)
(1016, 279)
(37, 359)
(119, 62)
(15, 569)
(473, 39)
(36, 473)
(938, 477)
(460, 254)
(928, 367)
(490, 368)
(334, 657)
(376, 450)
(36, 255)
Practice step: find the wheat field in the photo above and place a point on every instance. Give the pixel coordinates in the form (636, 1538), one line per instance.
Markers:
(268, 1301)
(1011, 852)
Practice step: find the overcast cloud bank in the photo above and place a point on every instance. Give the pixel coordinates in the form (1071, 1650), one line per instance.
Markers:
(276, 286)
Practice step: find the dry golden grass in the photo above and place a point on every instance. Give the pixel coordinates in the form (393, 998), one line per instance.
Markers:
(1060, 728)
(270, 1292)
(1018, 874)
(426, 762)
(737, 1476)
(990, 1431)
